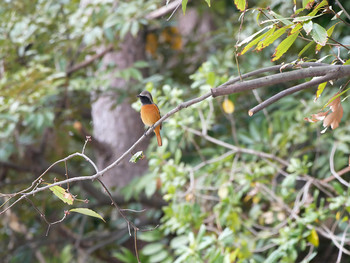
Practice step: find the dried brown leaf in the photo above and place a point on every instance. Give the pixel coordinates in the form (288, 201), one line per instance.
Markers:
(317, 117)
(331, 117)
(335, 104)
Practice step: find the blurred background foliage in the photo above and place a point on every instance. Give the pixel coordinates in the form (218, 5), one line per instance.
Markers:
(215, 204)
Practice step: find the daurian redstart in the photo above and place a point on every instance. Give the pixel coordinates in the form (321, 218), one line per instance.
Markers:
(150, 113)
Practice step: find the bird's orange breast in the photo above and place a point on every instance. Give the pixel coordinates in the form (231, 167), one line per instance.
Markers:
(150, 114)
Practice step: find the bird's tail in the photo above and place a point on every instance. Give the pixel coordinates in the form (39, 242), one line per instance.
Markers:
(157, 132)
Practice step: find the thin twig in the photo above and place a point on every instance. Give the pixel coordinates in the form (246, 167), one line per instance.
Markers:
(342, 8)
(66, 174)
(238, 149)
(342, 244)
(340, 44)
(331, 165)
(177, 7)
(135, 243)
(164, 10)
(89, 61)
(340, 173)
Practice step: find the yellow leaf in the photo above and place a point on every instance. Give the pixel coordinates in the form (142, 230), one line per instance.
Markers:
(253, 43)
(228, 106)
(284, 46)
(313, 238)
(337, 215)
(320, 89)
(256, 199)
(261, 45)
(62, 194)
(241, 5)
(234, 254)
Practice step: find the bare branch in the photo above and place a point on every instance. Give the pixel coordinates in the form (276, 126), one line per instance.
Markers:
(286, 92)
(339, 173)
(164, 10)
(89, 61)
(339, 71)
(273, 68)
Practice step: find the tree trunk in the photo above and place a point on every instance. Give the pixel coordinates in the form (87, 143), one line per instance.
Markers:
(119, 126)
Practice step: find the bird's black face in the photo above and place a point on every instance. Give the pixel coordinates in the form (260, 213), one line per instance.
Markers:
(145, 97)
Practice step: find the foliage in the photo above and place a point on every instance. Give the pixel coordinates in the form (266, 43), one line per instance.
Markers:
(225, 202)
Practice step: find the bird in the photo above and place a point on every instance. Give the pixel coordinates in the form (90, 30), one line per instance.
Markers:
(150, 113)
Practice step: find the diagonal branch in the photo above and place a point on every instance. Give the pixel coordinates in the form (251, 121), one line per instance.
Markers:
(281, 78)
(89, 61)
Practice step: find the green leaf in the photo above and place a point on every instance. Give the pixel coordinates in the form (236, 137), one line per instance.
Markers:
(208, 2)
(329, 33)
(305, 2)
(125, 29)
(179, 241)
(137, 157)
(347, 62)
(308, 27)
(88, 212)
(153, 248)
(62, 194)
(305, 18)
(151, 188)
(135, 74)
(306, 48)
(279, 18)
(319, 34)
(150, 236)
(159, 257)
(241, 5)
(284, 46)
(124, 255)
(134, 28)
(141, 64)
(296, 29)
(184, 5)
